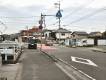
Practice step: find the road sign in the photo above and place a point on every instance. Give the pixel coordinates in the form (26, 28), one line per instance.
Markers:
(58, 14)
(40, 22)
(40, 26)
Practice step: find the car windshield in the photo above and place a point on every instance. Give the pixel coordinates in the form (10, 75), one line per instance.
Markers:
(32, 41)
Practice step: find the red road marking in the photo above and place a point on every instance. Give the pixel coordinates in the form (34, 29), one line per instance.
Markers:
(46, 47)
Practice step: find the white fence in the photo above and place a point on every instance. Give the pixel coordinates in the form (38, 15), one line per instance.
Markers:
(102, 42)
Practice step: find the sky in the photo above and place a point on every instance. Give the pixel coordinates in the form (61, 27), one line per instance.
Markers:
(77, 15)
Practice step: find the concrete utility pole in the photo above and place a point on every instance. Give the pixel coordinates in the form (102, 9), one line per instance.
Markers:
(27, 34)
(43, 19)
(59, 15)
(40, 27)
(41, 22)
(44, 22)
(105, 28)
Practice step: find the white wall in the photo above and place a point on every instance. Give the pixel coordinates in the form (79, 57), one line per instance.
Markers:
(47, 33)
(62, 36)
(67, 42)
(102, 42)
(85, 42)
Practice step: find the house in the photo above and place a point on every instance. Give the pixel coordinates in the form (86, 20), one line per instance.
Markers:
(62, 34)
(104, 35)
(5, 37)
(37, 34)
(25, 34)
(79, 35)
(79, 42)
(95, 34)
(49, 34)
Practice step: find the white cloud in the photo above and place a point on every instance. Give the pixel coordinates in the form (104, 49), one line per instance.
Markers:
(21, 3)
(98, 4)
(65, 3)
(35, 7)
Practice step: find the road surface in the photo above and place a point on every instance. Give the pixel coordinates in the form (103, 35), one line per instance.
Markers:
(37, 66)
(90, 63)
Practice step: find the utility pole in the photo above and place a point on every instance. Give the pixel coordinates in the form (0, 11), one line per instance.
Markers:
(59, 15)
(105, 28)
(27, 33)
(43, 19)
(40, 27)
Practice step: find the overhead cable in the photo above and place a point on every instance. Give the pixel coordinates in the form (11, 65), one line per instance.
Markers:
(88, 15)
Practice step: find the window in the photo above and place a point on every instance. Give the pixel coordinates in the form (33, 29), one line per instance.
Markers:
(63, 34)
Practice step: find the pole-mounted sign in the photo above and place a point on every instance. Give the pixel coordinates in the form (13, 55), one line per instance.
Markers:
(58, 14)
(41, 22)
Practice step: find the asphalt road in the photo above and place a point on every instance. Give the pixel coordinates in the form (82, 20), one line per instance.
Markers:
(93, 64)
(37, 66)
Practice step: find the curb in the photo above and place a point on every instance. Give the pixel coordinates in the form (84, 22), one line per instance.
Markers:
(98, 50)
(50, 56)
(55, 59)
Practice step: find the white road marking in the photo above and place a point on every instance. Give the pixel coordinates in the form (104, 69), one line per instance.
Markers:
(72, 77)
(83, 61)
(86, 75)
(65, 71)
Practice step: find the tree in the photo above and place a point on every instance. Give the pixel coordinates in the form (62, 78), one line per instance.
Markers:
(104, 34)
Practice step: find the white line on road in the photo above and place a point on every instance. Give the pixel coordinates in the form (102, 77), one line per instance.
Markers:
(66, 72)
(75, 69)
(83, 61)
(86, 75)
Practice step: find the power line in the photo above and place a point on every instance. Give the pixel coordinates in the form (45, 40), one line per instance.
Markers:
(52, 16)
(20, 22)
(4, 26)
(52, 24)
(18, 16)
(78, 9)
(88, 15)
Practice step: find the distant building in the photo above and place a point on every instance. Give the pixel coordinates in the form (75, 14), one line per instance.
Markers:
(95, 34)
(15, 36)
(1, 38)
(25, 34)
(49, 34)
(79, 35)
(104, 35)
(62, 34)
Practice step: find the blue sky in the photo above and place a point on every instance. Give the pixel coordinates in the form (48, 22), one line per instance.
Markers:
(17, 14)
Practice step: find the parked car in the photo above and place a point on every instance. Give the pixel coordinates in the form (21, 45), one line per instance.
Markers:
(10, 51)
(49, 43)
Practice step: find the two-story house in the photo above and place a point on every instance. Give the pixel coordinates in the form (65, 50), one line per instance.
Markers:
(25, 34)
(79, 34)
(58, 35)
(62, 34)
(95, 34)
(76, 37)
